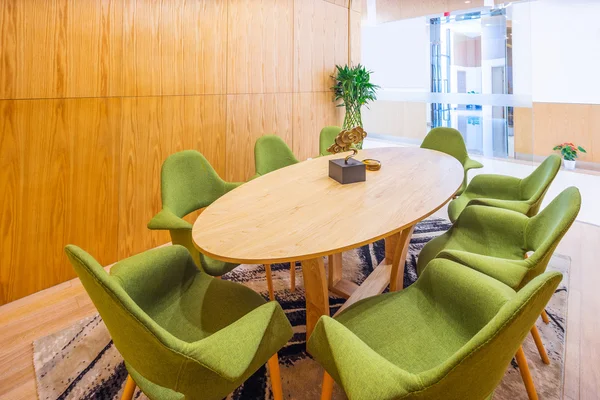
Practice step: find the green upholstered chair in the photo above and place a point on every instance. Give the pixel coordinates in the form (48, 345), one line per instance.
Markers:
(451, 335)
(183, 334)
(497, 242)
(326, 139)
(189, 183)
(272, 153)
(521, 195)
(451, 142)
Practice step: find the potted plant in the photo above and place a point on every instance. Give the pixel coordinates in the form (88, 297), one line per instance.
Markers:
(569, 154)
(353, 87)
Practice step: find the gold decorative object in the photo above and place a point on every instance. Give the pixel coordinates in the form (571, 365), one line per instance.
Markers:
(371, 164)
(345, 139)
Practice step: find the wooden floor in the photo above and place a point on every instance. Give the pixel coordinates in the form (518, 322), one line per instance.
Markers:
(46, 312)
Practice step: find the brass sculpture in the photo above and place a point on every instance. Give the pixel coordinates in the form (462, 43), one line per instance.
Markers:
(345, 139)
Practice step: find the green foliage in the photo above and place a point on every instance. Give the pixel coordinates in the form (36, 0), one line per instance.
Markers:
(569, 151)
(354, 89)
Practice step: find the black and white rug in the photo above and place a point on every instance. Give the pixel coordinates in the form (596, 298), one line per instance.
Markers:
(81, 362)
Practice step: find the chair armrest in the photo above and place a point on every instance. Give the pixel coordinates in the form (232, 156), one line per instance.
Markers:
(509, 272)
(472, 164)
(350, 361)
(166, 220)
(495, 186)
(229, 186)
(513, 205)
(240, 348)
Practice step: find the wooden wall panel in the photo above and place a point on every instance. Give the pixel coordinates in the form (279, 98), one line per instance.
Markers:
(539, 129)
(153, 128)
(312, 112)
(58, 169)
(523, 130)
(355, 37)
(341, 3)
(259, 50)
(169, 42)
(320, 42)
(393, 10)
(557, 123)
(95, 48)
(205, 46)
(248, 118)
(47, 52)
(99, 92)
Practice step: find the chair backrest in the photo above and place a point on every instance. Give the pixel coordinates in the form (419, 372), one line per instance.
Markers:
(147, 347)
(534, 187)
(272, 153)
(545, 231)
(485, 357)
(326, 138)
(447, 140)
(189, 182)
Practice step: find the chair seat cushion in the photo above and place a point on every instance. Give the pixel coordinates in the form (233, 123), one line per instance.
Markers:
(406, 329)
(204, 307)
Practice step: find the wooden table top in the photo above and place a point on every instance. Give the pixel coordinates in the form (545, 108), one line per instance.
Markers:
(298, 212)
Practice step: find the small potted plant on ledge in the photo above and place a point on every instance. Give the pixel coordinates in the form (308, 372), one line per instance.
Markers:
(353, 87)
(569, 151)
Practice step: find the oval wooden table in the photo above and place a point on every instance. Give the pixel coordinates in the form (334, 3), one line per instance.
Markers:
(298, 213)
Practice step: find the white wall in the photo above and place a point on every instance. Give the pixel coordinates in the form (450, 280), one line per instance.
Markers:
(565, 44)
(398, 53)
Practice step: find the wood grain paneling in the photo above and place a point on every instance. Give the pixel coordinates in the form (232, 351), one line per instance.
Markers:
(205, 46)
(355, 37)
(393, 10)
(523, 125)
(169, 42)
(153, 128)
(312, 112)
(59, 184)
(555, 123)
(47, 52)
(320, 42)
(259, 50)
(248, 118)
(108, 89)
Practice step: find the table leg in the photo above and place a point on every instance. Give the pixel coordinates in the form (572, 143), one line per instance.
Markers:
(396, 250)
(335, 269)
(317, 296)
(338, 285)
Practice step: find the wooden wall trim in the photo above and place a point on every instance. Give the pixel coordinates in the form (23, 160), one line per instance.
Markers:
(539, 129)
(94, 95)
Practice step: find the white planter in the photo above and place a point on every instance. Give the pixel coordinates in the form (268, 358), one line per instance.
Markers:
(569, 164)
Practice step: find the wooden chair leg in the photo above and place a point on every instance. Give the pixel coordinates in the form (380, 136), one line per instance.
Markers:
(526, 374)
(273, 364)
(129, 389)
(539, 344)
(545, 317)
(269, 282)
(293, 276)
(327, 389)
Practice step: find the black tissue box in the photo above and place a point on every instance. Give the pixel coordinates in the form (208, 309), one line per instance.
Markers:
(351, 172)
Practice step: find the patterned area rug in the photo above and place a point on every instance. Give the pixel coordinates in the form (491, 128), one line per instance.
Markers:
(81, 362)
